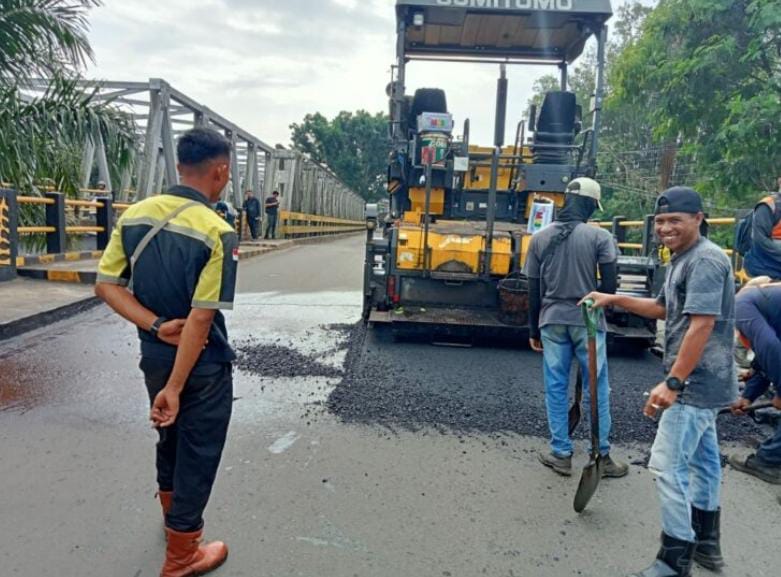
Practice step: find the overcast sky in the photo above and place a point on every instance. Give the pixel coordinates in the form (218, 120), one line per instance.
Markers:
(267, 63)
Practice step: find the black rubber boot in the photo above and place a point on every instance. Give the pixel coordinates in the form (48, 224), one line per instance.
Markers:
(707, 526)
(673, 560)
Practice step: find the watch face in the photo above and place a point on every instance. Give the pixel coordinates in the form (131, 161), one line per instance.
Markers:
(673, 384)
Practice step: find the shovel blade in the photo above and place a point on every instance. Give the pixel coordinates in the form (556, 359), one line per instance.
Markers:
(589, 481)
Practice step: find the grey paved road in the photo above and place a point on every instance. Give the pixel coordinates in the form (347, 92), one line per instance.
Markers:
(304, 492)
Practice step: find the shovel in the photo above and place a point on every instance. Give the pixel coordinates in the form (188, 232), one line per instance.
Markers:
(592, 472)
(751, 411)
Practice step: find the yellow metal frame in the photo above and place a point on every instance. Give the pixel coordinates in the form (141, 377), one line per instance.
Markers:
(298, 223)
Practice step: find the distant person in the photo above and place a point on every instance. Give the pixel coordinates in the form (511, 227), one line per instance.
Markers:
(272, 213)
(758, 320)
(224, 210)
(763, 257)
(697, 302)
(252, 213)
(564, 261)
(181, 259)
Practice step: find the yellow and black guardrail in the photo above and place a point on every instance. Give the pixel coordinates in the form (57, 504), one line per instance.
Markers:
(620, 226)
(104, 211)
(297, 225)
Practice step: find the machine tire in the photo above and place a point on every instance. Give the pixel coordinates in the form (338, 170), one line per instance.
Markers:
(367, 308)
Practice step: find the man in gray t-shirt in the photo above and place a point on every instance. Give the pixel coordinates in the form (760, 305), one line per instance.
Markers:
(698, 304)
(562, 265)
(700, 282)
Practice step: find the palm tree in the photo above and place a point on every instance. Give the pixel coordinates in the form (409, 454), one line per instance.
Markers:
(41, 137)
(43, 37)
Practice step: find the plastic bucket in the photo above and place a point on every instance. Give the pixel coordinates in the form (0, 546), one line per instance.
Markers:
(514, 301)
(438, 143)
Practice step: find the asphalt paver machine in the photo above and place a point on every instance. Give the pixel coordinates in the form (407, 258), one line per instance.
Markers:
(450, 248)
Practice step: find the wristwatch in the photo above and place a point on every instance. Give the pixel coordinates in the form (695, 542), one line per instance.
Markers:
(674, 384)
(156, 325)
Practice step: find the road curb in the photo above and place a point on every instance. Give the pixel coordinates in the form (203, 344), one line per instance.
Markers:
(43, 259)
(81, 277)
(38, 320)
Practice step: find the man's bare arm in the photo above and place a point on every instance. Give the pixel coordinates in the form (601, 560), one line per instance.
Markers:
(649, 308)
(191, 343)
(165, 407)
(125, 305)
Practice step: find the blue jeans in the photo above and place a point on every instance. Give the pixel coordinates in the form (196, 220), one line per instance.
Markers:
(685, 459)
(560, 344)
(271, 225)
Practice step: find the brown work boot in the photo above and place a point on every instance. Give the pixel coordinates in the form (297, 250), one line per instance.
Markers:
(166, 500)
(562, 465)
(613, 468)
(185, 556)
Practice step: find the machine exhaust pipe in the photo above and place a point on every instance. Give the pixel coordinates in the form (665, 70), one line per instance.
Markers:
(501, 107)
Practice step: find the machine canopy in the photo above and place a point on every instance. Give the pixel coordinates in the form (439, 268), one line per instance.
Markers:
(526, 30)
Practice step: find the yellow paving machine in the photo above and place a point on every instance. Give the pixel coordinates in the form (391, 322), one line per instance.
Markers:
(450, 247)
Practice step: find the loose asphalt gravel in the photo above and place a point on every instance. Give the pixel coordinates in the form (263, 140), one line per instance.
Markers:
(495, 389)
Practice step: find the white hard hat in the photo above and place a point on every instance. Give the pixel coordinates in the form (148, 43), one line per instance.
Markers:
(586, 187)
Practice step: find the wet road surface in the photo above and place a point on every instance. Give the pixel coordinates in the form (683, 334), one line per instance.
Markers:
(329, 469)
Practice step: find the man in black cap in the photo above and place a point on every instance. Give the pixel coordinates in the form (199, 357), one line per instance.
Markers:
(698, 304)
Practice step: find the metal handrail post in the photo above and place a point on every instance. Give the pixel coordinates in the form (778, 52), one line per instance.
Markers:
(9, 235)
(104, 218)
(55, 217)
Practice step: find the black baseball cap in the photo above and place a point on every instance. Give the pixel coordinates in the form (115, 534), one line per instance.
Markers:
(679, 199)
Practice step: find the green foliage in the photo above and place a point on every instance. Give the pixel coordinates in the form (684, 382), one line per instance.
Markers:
(42, 37)
(542, 85)
(354, 145)
(708, 73)
(42, 137)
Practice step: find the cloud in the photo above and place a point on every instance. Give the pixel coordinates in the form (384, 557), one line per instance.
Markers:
(266, 64)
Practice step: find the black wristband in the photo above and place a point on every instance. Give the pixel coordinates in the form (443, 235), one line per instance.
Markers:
(156, 325)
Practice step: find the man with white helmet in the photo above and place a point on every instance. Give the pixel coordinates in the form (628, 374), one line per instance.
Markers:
(564, 262)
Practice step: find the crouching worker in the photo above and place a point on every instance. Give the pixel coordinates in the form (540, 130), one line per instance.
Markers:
(698, 303)
(180, 258)
(758, 320)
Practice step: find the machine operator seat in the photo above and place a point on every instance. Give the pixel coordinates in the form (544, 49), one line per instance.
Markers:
(555, 126)
(426, 100)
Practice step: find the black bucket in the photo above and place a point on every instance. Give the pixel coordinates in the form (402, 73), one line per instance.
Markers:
(514, 301)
